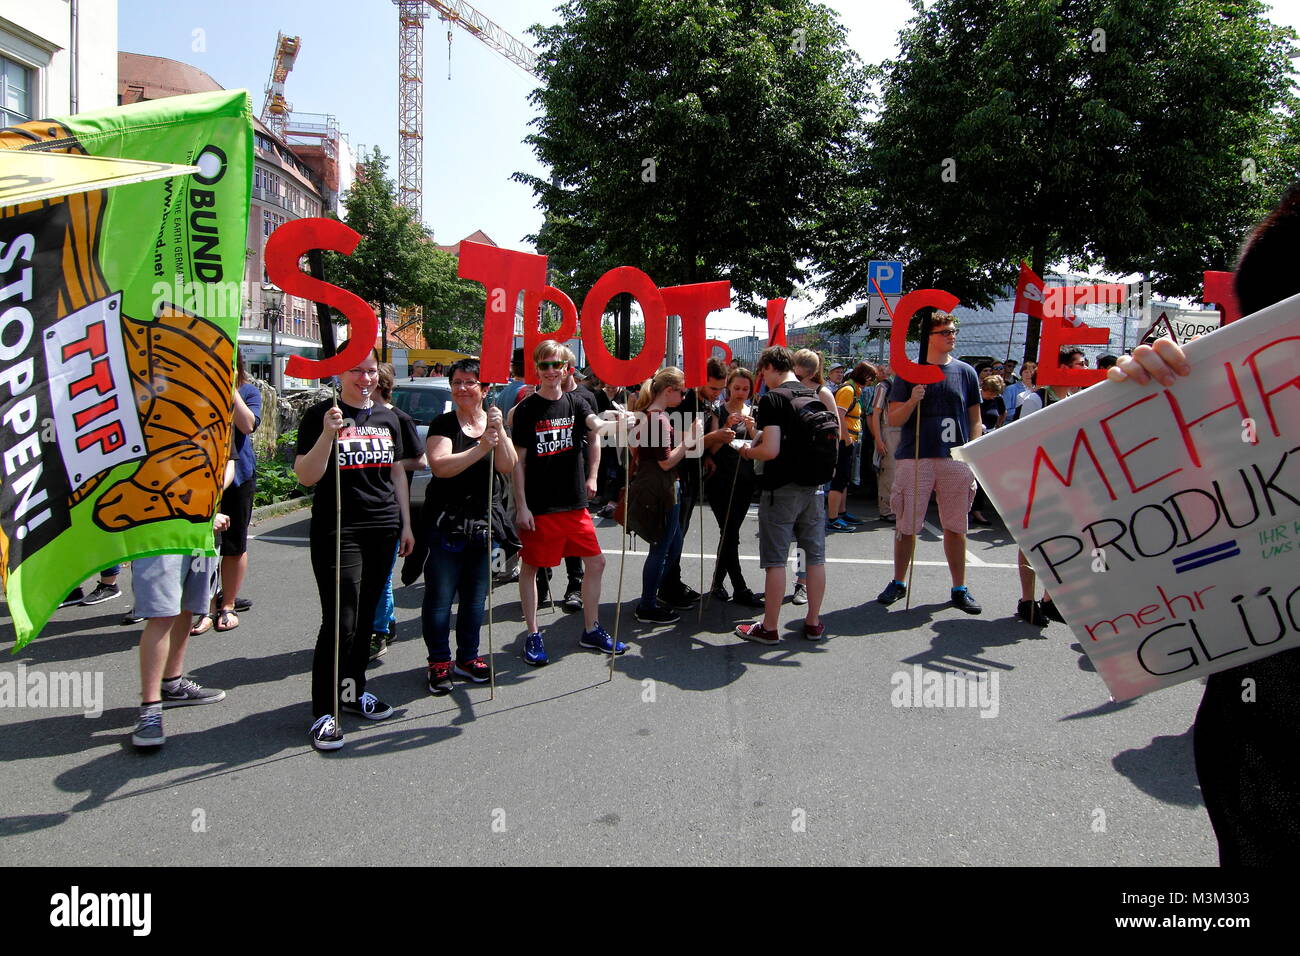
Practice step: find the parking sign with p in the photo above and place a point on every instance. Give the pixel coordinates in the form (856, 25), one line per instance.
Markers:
(887, 275)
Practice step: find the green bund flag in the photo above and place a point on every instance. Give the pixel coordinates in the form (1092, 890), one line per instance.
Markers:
(119, 310)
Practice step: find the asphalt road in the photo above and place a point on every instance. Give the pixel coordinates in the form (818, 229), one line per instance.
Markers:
(703, 748)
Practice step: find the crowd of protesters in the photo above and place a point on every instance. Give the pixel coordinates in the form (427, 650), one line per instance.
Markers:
(522, 476)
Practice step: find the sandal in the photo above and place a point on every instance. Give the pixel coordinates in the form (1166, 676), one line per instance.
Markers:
(200, 627)
(224, 616)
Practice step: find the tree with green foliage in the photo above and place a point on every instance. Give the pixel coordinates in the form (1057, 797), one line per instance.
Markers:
(695, 139)
(388, 266)
(1138, 136)
(453, 307)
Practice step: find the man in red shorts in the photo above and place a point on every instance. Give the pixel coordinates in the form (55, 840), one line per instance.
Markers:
(553, 482)
(949, 413)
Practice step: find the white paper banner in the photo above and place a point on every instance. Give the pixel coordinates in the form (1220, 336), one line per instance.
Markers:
(1165, 522)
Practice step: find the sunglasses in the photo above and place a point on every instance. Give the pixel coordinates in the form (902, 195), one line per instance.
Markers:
(947, 333)
(548, 366)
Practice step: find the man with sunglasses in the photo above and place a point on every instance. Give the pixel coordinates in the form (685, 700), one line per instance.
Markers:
(554, 480)
(949, 413)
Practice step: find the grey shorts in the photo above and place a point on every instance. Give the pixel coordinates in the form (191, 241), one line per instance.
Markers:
(167, 584)
(791, 513)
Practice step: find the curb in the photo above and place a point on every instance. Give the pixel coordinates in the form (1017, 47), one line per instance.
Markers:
(277, 508)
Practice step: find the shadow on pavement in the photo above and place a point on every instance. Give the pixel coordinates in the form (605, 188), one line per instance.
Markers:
(1164, 769)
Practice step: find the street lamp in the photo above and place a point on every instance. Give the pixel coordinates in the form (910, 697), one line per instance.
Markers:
(272, 303)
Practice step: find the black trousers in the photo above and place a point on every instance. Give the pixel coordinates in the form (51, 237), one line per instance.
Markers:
(729, 523)
(365, 558)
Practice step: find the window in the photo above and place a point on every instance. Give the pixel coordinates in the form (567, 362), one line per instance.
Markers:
(270, 222)
(300, 322)
(15, 93)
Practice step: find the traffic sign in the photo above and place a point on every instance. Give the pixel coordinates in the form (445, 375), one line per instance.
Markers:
(888, 275)
(878, 317)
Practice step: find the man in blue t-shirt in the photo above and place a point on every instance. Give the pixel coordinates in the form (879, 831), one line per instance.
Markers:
(949, 417)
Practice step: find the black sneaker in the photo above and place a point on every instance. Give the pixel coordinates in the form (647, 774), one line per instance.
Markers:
(476, 669)
(102, 593)
(962, 600)
(1048, 607)
(748, 598)
(1031, 613)
(369, 707)
(681, 598)
(378, 646)
(657, 615)
(572, 599)
(892, 592)
(440, 677)
(130, 617)
(325, 733)
(719, 593)
(76, 597)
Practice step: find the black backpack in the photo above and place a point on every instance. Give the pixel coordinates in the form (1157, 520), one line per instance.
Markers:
(814, 449)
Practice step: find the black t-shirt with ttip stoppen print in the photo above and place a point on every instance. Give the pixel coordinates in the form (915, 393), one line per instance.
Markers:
(367, 449)
(555, 464)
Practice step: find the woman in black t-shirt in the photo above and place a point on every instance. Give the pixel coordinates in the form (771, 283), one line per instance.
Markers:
(375, 517)
(731, 489)
(456, 504)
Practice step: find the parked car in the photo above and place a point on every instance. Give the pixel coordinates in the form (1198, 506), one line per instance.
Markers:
(424, 399)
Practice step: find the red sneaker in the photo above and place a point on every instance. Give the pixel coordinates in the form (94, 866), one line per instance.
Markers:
(814, 632)
(758, 634)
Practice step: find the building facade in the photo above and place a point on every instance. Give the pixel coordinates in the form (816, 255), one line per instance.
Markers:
(57, 57)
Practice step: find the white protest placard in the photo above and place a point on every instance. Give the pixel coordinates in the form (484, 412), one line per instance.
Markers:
(1165, 522)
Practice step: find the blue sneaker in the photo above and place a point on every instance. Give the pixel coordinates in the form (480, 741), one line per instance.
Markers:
(535, 650)
(850, 518)
(599, 639)
(892, 592)
(838, 525)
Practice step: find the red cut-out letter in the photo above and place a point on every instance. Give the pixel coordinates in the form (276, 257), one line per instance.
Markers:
(906, 369)
(533, 334)
(289, 243)
(711, 344)
(1056, 335)
(635, 370)
(1219, 290)
(693, 303)
(504, 273)
(775, 322)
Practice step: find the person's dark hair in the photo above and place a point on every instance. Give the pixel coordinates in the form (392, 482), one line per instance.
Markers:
(1106, 361)
(1265, 272)
(468, 365)
(516, 363)
(1067, 356)
(241, 370)
(863, 373)
(385, 383)
(778, 357)
(714, 368)
(982, 366)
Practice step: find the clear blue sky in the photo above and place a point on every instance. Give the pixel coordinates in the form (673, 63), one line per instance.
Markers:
(474, 123)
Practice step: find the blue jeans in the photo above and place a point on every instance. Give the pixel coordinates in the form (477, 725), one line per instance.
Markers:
(448, 574)
(666, 551)
(385, 618)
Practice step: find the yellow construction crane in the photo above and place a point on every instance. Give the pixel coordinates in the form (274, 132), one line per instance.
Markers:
(411, 15)
(275, 109)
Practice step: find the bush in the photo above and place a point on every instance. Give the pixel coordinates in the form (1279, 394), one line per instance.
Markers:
(276, 482)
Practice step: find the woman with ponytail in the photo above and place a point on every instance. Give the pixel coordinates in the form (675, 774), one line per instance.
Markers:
(653, 505)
